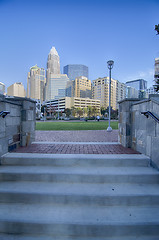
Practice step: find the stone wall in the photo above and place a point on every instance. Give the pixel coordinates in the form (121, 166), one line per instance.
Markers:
(136, 130)
(18, 127)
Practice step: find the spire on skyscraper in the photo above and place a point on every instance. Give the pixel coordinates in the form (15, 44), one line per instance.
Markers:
(53, 51)
(53, 63)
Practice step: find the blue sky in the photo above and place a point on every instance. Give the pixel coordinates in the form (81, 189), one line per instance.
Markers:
(89, 32)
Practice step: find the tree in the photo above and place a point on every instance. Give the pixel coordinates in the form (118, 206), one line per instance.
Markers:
(67, 112)
(85, 111)
(89, 111)
(94, 111)
(73, 111)
(79, 112)
(103, 110)
(157, 28)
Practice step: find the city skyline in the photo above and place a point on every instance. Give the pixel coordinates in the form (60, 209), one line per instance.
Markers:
(84, 32)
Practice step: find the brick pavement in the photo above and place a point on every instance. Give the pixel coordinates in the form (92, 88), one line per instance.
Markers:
(76, 149)
(77, 136)
(76, 142)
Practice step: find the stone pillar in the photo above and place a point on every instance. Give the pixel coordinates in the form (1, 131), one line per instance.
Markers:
(28, 122)
(125, 121)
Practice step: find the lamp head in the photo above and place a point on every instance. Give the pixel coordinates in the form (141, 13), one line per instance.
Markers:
(110, 64)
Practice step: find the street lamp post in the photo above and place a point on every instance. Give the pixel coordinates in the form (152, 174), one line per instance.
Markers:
(110, 66)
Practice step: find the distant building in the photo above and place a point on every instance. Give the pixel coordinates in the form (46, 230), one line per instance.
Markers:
(55, 82)
(36, 83)
(151, 90)
(131, 92)
(140, 85)
(56, 86)
(156, 75)
(2, 88)
(17, 90)
(100, 90)
(59, 105)
(53, 63)
(121, 91)
(74, 71)
(80, 87)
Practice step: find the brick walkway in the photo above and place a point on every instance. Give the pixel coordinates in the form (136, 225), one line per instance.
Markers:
(77, 136)
(76, 142)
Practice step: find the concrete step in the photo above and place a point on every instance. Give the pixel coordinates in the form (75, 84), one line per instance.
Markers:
(110, 194)
(44, 237)
(80, 174)
(79, 221)
(113, 160)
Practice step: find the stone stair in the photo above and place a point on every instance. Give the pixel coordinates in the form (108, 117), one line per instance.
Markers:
(82, 197)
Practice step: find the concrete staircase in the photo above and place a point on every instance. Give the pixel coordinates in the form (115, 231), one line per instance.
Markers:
(82, 197)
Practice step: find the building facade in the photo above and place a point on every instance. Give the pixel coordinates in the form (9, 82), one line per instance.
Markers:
(56, 86)
(36, 83)
(74, 71)
(16, 90)
(140, 85)
(100, 90)
(131, 92)
(2, 88)
(82, 87)
(121, 91)
(156, 75)
(59, 105)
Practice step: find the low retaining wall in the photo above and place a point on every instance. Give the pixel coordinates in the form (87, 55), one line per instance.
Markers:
(136, 130)
(18, 127)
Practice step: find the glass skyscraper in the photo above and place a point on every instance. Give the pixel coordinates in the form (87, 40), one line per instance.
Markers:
(75, 70)
(55, 82)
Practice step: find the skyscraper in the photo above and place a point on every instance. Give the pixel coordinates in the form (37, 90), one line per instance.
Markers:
(75, 70)
(36, 83)
(55, 82)
(53, 62)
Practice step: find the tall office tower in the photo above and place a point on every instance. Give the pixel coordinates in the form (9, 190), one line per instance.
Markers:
(2, 88)
(55, 82)
(17, 90)
(53, 63)
(75, 70)
(100, 90)
(140, 85)
(36, 83)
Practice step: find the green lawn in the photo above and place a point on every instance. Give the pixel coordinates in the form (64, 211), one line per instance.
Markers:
(90, 125)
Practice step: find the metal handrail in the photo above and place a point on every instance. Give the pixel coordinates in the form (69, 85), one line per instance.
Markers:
(148, 113)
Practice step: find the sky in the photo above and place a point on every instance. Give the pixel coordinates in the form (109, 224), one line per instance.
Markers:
(88, 32)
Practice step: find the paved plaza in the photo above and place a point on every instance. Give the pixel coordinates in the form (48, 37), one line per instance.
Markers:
(77, 136)
(76, 142)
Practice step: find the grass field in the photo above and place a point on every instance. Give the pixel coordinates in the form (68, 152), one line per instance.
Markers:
(68, 126)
